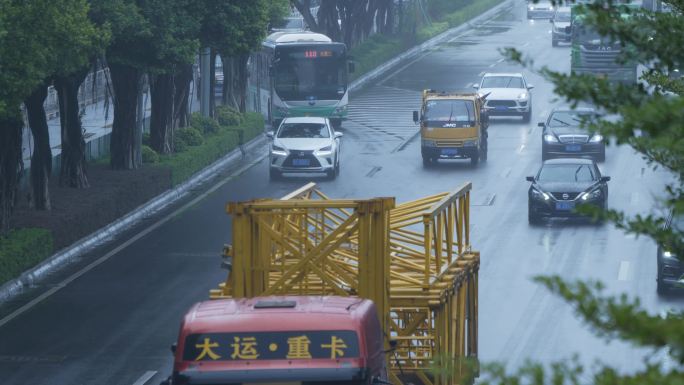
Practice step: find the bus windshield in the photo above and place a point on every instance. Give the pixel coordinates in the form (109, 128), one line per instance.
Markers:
(311, 72)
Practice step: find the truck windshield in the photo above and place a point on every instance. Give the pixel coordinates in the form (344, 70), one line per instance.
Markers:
(457, 111)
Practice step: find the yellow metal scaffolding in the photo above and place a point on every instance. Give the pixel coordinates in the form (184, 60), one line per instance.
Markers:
(414, 260)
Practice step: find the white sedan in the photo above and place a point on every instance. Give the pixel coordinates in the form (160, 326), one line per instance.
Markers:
(506, 94)
(304, 145)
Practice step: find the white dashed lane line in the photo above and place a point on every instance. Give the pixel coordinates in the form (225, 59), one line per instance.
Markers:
(145, 377)
(623, 272)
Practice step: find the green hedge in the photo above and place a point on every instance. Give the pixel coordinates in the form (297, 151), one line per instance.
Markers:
(380, 48)
(22, 249)
(194, 158)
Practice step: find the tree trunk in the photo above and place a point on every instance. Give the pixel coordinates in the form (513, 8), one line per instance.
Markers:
(124, 151)
(212, 82)
(182, 81)
(41, 159)
(161, 130)
(11, 165)
(235, 81)
(72, 170)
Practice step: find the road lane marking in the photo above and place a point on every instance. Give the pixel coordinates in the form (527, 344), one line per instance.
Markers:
(124, 245)
(634, 198)
(492, 65)
(520, 150)
(500, 60)
(506, 172)
(468, 85)
(481, 74)
(145, 377)
(526, 44)
(623, 271)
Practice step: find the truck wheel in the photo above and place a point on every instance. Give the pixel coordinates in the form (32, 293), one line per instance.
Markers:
(554, 43)
(475, 159)
(485, 150)
(427, 162)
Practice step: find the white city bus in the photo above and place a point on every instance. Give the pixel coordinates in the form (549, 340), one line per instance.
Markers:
(299, 74)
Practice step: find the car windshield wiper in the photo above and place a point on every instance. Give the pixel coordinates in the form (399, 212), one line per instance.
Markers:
(451, 113)
(577, 172)
(560, 121)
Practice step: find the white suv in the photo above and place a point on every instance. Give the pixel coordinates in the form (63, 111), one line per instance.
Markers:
(304, 145)
(506, 94)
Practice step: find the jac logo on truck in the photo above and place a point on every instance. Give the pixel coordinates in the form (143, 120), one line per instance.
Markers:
(271, 346)
(450, 125)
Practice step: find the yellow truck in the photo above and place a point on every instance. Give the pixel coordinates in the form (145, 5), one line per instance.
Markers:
(341, 292)
(452, 126)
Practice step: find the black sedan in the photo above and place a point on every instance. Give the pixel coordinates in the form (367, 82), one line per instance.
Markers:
(564, 136)
(563, 184)
(670, 269)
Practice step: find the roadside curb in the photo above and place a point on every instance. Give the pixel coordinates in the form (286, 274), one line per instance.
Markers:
(135, 216)
(156, 204)
(412, 52)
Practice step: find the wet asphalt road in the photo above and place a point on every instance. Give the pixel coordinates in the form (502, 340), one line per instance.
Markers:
(114, 323)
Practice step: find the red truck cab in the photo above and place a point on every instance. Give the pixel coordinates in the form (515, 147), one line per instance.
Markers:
(293, 340)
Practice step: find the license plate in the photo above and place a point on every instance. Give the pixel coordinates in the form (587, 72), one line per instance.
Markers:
(573, 147)
(501, 108)
(450, 151)
(565, 206)
(301, 162)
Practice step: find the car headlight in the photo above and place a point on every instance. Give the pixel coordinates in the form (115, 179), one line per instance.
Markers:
(669, 255)
(341, 109)
(428, 143)
(522, 95)
(596, 138)
(594, 194)
(327, 150)
(277, 150)
(531, 7)
(550, 138)
(551, 8)
(470, 143)
(540, 195)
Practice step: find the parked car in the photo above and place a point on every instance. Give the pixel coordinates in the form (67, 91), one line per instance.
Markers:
(564, 135)
(560, 26)
(506, 94)
(540, 10)
(670, 268)
(561, 185)
(304, 145)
